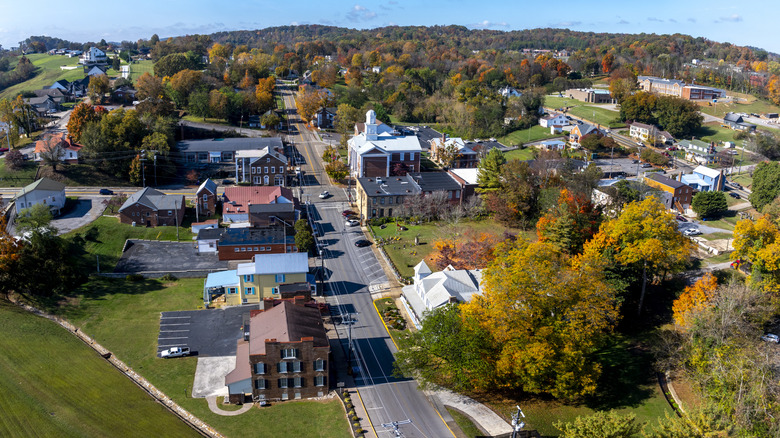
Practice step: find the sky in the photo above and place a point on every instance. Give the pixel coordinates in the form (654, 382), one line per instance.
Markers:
(739, 23)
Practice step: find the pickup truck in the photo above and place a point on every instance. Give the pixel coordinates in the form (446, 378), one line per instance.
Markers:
(175, 352)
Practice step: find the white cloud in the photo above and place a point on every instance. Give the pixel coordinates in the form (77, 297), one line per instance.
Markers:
(733, 18)
(360, 13)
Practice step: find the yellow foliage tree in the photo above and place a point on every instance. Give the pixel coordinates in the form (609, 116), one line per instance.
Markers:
(758, 243)
(547, 317)
(694, 299)
(645, 235)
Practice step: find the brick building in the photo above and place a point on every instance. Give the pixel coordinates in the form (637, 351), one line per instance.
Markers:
(152, 208)
(385, 197)
(682, 194)
(378, 150)
(285, 358)
(263, 167)
(245, 243)
(206, 198)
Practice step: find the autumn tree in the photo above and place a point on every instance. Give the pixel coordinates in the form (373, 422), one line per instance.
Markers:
(758, 243)
(644, 236)
(337, 170)
(607, 62)
(773, 88)
(135, 171)
(472, 250)
(604, 424)
(10, 250)
(515, 203)
(52, 151)
(82, 114)
(149, 87)
(547, 316)
(182, 84)
(264, 92)
(693, 300)
(14, 159)
(570, 223)
(622, 83)
(97, 88)
(308, 101)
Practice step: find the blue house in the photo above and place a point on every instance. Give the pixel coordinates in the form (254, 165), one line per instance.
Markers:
(705, 179)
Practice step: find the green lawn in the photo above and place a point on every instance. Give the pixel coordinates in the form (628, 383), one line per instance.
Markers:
(523, 136)
(520, 154)
(726, 222)
(746, 104)
(48, 73)
(197, 119)
(464, 423)
(52, 384)
(714, 132)
(17, 178)
(141, 67)
(110, 236)
(382, 305)
(745, 179)
(593, 112)
(124, 317)
(405, 255)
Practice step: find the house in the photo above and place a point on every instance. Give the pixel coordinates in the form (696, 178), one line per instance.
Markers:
(376, 150)
(509, 92)
(285, 358)
(272, 215)
(152, 208)
(385, 197)
(261, 167)
(69, 151)
(705, 179)
(591, 95)
(95, 70)
(43, 105)
(736, 122)
(682, 194)
(245, 243)
(208, 238)
(58, 95)
(258, 279)
(223, 150)
(665, 138)
(552, 145)
(73, 89)
(125, 94)
(433, 290)
(553, 119)
(93, 56)
(324, 118)
(579, 131)
(465, 156)
(206, 198)
(698, 151)
(237, 200)
(468, 180)
(44, 191)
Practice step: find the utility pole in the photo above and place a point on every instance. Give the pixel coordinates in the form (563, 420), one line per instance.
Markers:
(155, 168)
(517, 424)
(143, 167)
(176, 212)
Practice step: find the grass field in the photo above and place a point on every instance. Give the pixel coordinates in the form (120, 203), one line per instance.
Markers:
(744, 179)
(522, 136)
(141, 67)
(124, 317)
(51, 384)
(48, 73)
(17, 178)
(714, 132)
(520, 154)
(464, 423)
(746, 104)
(197, 119)
(596, 113)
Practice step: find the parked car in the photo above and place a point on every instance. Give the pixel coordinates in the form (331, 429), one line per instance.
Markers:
(362, 242)
(227, 182)
(692, 232)
(352, 223)
(324, 194)
(734, 195)
(681, 218)
(769, 337)
(346, 213)
(175, 352)
(646, 165)
(3, 150)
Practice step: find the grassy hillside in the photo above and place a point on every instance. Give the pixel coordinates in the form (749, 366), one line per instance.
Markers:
(51, 384)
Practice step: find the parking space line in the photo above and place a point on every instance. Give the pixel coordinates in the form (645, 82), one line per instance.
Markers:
(180, 337)
(172, 317)
(182, 323)
(173, 331)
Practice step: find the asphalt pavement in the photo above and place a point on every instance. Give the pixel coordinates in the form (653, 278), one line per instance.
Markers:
(208, 333)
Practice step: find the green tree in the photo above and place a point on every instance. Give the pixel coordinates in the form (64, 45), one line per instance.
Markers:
(766, 184)
(346, 117)
(601, 424)
(304, 240)
(680, 117)
(450, 350)
(135, 171)
(98, 87)
(270, 120)
(115, 64)
(199, 104)
(709, 204)
(569, 224)
(489, 171)
(156, 141)
(37, 217)
(42, 252)
(639, 107)
(337, 170)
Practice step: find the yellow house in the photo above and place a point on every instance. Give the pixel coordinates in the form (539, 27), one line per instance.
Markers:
(252, 282)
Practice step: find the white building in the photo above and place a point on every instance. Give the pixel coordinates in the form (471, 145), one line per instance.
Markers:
(432, 290)
(93, 56)
(553, 119)
(44, 191)
(376, 149)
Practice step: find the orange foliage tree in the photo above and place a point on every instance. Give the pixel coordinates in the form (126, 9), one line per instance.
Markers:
(570, 223)
(694, 299)
(473, 251)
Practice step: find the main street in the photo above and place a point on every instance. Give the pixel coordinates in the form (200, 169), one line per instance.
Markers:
(350, 273)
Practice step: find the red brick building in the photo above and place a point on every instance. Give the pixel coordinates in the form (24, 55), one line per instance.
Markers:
(245, 243)
(285, 358)
(206, 197)
(152, 208)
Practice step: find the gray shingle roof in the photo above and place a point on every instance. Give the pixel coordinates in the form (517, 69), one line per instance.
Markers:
(44, 184)
(229, 144)
(155, 200)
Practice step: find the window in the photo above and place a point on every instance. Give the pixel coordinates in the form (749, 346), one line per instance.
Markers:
(232, 290)
(281, 367)
(254, 169)
(256, 249)
(259, 368)
(373, 201)
(280, 278)
(236, 250)
(249, 291)
(265, 169)
(267, 248)
(298, 382)
(250, 278)
(297, 366)
(319, 380)
(261, 384)
(319, 365)
(289, 353)
(265, 179)
(273, 169)
(403, 155)
(283, 384)
(285, 396)
(205, 197)
(268, 160)
(390, 200)
(243, 249)
(170, 212)
(382, 200)
(457, 194)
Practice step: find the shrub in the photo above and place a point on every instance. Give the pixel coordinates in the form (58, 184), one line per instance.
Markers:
(134, 277)
(168, 277)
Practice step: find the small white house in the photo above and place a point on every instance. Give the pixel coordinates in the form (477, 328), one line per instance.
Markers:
(93, 56)
(553, 120)
(44, 191)
(432, 290)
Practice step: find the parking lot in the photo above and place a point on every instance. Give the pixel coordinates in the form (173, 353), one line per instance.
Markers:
(153, 256)
(208, 333)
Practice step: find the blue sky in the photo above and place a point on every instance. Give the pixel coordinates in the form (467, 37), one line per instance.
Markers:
(85, 20)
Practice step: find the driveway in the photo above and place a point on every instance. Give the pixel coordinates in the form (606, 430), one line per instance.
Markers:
(208, 333)
(86, 210)
(154, 256)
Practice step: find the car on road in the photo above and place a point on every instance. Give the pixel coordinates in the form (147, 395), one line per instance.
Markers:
(324, 195)
(346, 213)
(734, 195)
(227, 182)
(681, 218)
(692, 232)
(362, 243)
(175, 352)
(646, 165)
(352, 223)
(769, 337)
(106, 192)
(3, 150)
(737, 185)
(634, 161)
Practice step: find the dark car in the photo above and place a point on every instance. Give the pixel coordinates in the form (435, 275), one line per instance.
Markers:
(681, 218)
(3, 150)
(362, 242)
(346, 213)
(106, 192)
(227, 182)
(734, 195)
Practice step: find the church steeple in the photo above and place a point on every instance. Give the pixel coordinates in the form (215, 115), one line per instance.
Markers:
(371, 125)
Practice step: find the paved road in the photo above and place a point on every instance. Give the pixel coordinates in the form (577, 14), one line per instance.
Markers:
(349, 272)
